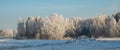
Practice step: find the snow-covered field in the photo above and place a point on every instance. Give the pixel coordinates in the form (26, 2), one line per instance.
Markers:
(80, 44)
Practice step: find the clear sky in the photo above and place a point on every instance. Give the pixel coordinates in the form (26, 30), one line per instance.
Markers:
(10, 10)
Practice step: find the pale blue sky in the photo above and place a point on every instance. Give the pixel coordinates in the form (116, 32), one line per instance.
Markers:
(10, 10)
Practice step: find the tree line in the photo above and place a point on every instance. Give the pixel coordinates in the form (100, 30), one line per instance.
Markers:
(58, 27)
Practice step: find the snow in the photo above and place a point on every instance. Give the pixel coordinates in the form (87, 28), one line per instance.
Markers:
(108, 39)
(80, 44)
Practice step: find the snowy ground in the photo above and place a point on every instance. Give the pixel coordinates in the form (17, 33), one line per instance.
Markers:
(108, 39)
(81, 44)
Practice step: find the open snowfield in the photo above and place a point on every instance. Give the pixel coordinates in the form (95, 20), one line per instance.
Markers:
(80, 44)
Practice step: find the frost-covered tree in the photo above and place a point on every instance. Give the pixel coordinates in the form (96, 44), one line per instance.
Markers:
(21, 28)
(112, 25)
(118, 29)
(72, 26)
(54, 27)
(38, 25)
(85, 27)
(30, 27)
(117, 16)
(97, 26)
